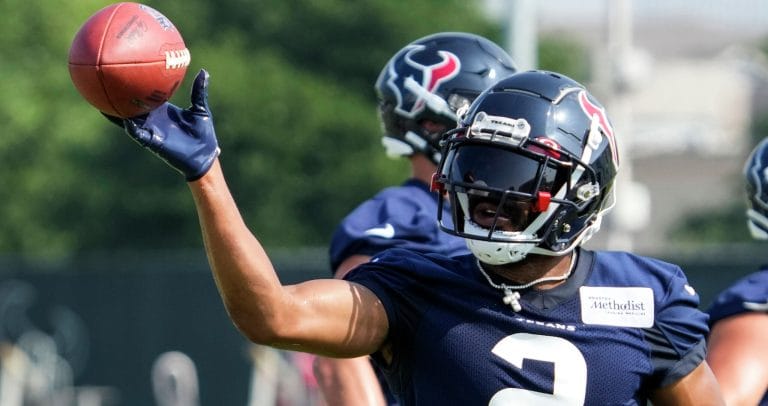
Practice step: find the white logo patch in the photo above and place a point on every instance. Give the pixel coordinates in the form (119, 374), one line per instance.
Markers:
(384, 232)
(621, 307)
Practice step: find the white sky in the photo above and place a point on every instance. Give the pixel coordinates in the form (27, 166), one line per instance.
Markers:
(748, 17)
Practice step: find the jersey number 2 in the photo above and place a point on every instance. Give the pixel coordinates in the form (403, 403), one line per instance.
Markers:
(570, 381)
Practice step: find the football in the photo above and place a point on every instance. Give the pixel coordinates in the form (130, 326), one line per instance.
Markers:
(127, 59)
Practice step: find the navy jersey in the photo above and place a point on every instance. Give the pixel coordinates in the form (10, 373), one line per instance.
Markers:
(620, 326)
(404, 217)
(748, 294)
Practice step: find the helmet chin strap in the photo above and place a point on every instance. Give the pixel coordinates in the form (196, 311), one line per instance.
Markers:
(757, 224)
(511, 294)
(395, 148)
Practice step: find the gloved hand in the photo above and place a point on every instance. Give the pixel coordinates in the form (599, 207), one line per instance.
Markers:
(184, 138)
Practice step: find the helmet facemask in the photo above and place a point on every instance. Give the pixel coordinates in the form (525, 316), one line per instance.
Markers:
(512, 195)
(405, 136)
(514, 199)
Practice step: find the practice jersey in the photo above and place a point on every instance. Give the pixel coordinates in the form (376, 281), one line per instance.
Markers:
(619, 327)
(746, 295)
(403, 216)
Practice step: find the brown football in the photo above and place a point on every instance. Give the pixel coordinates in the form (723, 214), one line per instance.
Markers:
(127, 59)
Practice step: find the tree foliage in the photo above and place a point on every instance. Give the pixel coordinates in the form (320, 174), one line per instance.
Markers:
(565, 55)
(291, 90)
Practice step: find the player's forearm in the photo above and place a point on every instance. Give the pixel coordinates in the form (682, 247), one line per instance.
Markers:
(241, 268)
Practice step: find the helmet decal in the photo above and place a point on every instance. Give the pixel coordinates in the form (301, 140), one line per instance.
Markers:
(757, 174)
(428, 71)
(756, 177)
(597, 114)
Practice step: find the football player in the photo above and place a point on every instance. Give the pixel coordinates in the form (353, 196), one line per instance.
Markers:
(739, 315)
(529, 317)
(419, 91)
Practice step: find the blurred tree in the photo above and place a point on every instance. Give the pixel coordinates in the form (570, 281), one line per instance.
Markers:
(726, 224)
(292, 95)
(566, 55)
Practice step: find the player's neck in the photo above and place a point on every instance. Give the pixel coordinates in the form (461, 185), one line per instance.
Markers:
(422, 168)
(532, 268)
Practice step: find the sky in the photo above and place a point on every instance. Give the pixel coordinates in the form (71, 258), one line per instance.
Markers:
(747, 17)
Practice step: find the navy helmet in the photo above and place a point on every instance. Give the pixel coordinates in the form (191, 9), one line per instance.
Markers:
(530, 168)
(430, 79)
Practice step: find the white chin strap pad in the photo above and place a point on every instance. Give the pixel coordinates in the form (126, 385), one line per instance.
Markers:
(396, 148)
(494, 253)
(758, 225)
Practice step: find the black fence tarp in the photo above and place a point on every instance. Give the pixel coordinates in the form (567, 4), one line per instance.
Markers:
(111, 318)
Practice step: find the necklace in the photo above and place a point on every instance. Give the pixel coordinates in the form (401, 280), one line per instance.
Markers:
(511, 294)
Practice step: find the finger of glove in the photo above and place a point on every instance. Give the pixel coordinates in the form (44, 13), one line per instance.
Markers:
(200, 94)
(139, 134)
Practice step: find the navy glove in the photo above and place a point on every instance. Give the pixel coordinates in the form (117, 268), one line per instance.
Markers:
(184, 138)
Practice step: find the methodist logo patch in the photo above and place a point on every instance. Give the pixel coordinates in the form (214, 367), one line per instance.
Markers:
(620, 307)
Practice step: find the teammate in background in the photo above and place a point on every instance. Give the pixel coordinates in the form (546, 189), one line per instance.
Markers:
(419, 91)
(528, 318)
(738, 353)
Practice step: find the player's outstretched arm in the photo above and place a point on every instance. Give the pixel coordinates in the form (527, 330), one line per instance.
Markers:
(699, 388)
(330, 317)
(324, 316)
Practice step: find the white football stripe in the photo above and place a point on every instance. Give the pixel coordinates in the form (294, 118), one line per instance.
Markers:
(177, 59)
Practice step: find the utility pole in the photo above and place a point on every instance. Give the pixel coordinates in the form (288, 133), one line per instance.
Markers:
(619, 78)
(521, 40)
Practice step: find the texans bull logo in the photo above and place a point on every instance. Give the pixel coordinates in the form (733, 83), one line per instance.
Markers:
(596, 112)
(428, 69)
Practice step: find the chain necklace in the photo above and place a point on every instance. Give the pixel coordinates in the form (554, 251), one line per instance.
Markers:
(511, 294)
